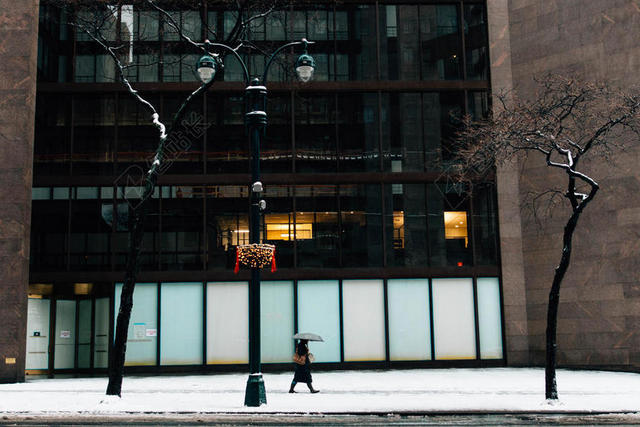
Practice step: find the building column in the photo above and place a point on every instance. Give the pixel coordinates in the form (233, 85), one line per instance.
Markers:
(508, 189)
(18, 71)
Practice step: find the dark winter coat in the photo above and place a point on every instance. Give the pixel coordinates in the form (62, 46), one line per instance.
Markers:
(302, 373)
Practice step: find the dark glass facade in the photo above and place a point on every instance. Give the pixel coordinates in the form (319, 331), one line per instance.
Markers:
(354, 163)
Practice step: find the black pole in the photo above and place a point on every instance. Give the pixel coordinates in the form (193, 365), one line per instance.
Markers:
(256, 121)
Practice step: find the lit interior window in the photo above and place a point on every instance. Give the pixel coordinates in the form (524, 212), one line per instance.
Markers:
(398, 229)
(455, 226)
(280, 227)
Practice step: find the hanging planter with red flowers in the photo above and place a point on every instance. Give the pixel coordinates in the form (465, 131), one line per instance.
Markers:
(258, 255)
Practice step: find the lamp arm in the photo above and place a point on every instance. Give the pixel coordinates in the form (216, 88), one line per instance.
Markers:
(304, 42)
(233, 51)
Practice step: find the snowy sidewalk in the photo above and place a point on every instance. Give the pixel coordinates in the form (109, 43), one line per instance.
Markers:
(493, 390)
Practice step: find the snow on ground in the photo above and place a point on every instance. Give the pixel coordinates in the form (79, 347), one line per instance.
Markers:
(424, 390)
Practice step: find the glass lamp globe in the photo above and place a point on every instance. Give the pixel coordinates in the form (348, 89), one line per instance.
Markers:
(206, 68)
(305, 65)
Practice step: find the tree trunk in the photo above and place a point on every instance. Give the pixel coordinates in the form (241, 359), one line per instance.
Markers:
(118, 352)
(551, 389)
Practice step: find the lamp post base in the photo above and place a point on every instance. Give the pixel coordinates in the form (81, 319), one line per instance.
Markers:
(254, 394)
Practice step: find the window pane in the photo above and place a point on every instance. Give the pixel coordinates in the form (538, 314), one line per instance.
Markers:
(315, 134)
(475, 32)
(317, 226)
(279, 227)
(65, 335)
(276, 26)
(276, 321)
(38, 334)
(409, 329)
(181, 324)
(489, 320)
(276, 155)
(402, 138)
(227, 144)
(365, 57)
(453, 330)
(143, 326)
(101, 339)
(227, 224)
(406, 225)
(440, 42)
(363, 320)
(227, 322)
(485, 223)
(147, 26)
(361, 225)
(449, 235)
(192, 25)
(357, 117)
(398, 42)
(85, 68)
(182, 223)
(319, 312)
(441, 113)
(84, 334)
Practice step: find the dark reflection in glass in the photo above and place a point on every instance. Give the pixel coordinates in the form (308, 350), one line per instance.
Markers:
(361, 215)
(227, 143)
(475, 33)
(276, 155)
(122, 214)
(316, 226)
(49, 228)
(441, 117)
(402, 137)
(420, 42)
(137, 137)
(358, 121)
(315, 134)
(278, 221)
(182, 241)
(363, 43)
(93, 135)
(52, 142)
(185, 142)
(449, 228)
(478, 103)
(227, 223)
(440, 42)
(485, 224)
(406, 225)
(89, 242)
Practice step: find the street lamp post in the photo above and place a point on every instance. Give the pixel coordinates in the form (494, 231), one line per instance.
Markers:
(256, 123)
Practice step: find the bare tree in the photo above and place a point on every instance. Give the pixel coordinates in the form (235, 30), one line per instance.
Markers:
(109, 24)
(570, 125)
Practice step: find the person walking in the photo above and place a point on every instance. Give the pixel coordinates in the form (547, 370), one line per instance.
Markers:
(302, 373)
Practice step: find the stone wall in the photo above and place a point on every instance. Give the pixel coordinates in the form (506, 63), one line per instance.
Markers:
(512, 262)
(599, 316)
(18, 58)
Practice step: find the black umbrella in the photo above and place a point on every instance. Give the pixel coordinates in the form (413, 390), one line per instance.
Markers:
(307, 336)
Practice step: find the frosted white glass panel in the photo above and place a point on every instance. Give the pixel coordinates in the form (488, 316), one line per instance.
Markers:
(181, 323)
(453, 319)
(276, 321)
(363, 317)
(489, 318)
(84, 333)
(409, 330)
(101, 340)
(65, 335)
(38, 334)
(141, 341)
(227, 322)
(319, 312)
